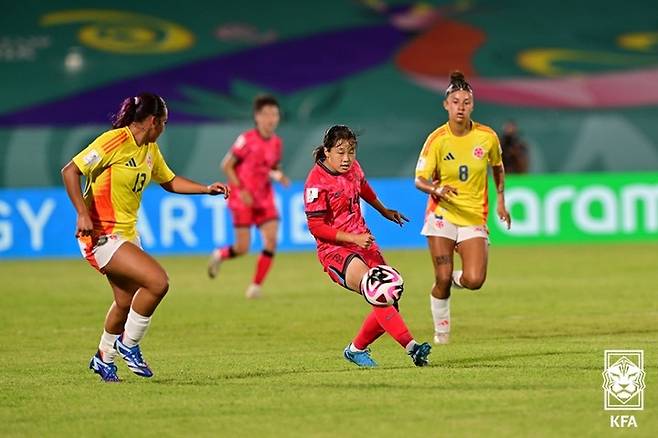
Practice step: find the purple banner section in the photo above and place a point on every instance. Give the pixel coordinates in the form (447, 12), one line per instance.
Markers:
(282, 67)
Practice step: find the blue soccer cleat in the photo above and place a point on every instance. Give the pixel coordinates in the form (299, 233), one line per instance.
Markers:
(419, 354)
(107, 371)
(361, 358)
(133, 358)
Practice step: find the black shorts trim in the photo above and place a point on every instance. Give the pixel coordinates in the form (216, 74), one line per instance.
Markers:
(343, 274)
(315, 213)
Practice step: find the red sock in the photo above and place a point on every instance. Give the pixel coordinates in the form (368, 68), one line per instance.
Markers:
(227, 252)
(263, 266)
(391, 321)
(369, 332)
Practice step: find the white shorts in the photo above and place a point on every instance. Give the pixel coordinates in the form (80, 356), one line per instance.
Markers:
(437, 226)
(99, 251)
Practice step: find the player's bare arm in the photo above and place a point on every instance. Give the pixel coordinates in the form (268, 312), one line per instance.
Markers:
(501, 210)
(437, 191)
(388, 213)
(228, 166)
(276, 174)
(71, 176)
(186, 186)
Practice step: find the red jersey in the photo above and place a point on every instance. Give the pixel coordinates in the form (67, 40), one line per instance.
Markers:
(255, 156)
(335, 197)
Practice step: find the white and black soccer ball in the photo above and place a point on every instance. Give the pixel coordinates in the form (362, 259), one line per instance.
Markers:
(382, 286)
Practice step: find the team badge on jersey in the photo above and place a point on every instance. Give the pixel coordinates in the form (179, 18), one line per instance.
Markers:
(478, 152)
(149, 161)
(311, 194)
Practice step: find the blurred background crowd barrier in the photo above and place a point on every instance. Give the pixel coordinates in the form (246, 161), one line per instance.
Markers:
(583, 94)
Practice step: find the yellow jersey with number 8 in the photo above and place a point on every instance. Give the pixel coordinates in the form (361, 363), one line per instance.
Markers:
(460, 162)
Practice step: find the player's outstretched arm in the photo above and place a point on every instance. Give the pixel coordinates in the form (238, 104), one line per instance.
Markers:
(186, 186)
(368, 195)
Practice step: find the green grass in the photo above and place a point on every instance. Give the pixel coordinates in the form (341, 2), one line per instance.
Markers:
(525, 360)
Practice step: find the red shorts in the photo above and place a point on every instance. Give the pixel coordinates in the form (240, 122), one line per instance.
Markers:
(246, 216)
(335, 262)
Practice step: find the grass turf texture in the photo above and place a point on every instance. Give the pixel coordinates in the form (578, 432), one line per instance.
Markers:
(525, 360)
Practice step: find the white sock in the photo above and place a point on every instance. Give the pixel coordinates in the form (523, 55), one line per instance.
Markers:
(136, 327)
(456, 278)
(410, 346)
(440, 314)
(353, 349)
(106, 347)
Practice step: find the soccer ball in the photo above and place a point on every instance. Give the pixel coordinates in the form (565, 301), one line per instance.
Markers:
(382, 286)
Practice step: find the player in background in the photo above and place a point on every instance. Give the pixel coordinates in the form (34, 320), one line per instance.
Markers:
(250, 165)
(118, 165)
(452, 169)
(346, 248)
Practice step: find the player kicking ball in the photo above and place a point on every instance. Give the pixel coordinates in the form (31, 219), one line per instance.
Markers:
(346, 248)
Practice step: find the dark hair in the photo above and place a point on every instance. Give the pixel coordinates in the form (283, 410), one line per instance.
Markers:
(138, 108)
(458, 82)
(264, 100)
(331, 138)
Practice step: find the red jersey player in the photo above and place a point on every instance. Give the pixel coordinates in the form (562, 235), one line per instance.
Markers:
(250, 165)
(346, 248)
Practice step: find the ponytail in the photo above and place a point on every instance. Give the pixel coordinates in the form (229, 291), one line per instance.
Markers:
(138, 108)
(126, 114)
(318, 154)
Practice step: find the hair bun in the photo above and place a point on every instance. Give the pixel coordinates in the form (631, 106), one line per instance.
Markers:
(457, 76)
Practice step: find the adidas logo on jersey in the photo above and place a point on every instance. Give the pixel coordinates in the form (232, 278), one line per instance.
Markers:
(131, 163)
(449, 156)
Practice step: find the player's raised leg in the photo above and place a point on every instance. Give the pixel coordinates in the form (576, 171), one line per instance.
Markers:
(388, 318)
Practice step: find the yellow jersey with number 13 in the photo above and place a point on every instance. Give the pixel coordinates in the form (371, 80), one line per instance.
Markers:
(117, 172)
(460, 162)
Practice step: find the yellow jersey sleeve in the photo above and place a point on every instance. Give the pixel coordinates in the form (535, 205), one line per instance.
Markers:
(426, 164)
(100, 153)
(495, 152)
(161, 173)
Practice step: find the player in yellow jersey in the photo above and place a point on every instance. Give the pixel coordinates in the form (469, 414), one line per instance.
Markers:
(118, 165)
(452, 169)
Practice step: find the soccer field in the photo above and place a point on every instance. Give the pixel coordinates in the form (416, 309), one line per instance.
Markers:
(526, 357)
